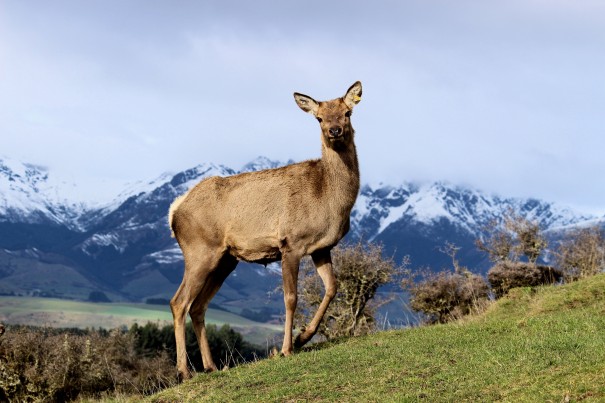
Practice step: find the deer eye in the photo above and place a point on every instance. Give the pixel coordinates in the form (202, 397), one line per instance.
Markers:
(348, 114)
(319, 119)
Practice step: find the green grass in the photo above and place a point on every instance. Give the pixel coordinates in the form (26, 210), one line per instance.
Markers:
(546, 344)
(66, 313)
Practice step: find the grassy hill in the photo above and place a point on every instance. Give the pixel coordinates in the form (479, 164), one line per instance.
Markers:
(535, 345)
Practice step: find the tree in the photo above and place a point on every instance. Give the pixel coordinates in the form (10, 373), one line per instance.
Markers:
(360, 269)
(581, 253)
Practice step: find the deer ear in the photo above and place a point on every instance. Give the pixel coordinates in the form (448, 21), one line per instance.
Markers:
(353, 95)
(306, 103)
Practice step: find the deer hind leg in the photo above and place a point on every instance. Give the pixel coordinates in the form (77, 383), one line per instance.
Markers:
(200, 305)
(323, 263)
(198, 266)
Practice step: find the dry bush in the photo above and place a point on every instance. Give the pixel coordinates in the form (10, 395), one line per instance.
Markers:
(581, 253)
(359, 269)
(46, 365)
(446, 296)
(514, 237)
(498, 244)
(506, 275)
(530, 240)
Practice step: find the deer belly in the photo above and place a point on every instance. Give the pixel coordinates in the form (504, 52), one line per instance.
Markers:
(256, 250)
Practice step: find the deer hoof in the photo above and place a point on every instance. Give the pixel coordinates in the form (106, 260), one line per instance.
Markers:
(183, 376)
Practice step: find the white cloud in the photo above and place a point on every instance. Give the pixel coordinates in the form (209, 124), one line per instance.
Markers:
(476, 92)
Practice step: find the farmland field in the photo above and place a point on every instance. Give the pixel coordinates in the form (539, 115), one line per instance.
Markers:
(67, 313)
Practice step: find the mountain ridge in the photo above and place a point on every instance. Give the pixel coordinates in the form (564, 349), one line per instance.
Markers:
(123, 247)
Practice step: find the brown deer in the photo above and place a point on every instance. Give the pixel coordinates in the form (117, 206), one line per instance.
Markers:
(276, 214)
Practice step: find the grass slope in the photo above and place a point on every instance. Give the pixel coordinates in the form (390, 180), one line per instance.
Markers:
(65, 313)
(535, 345)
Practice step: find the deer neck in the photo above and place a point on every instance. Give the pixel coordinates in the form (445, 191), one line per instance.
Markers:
(341, 176)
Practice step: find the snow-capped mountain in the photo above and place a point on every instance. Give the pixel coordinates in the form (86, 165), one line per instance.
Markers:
(29, 193)
(469, 209)
(124, 248)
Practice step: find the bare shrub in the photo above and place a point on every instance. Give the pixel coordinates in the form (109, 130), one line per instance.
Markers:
(446, 296)
(360, 269)
(498, 243)
(506, 275)
(516, 236)
(47, 365)
(581, 253)
(530, 241)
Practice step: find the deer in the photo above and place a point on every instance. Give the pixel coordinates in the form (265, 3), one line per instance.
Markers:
(280, 214)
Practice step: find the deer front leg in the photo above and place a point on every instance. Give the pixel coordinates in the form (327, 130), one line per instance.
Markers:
(323, 263)
(289, 269)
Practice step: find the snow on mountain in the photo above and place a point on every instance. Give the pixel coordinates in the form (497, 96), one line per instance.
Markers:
(469, 209)
(189, 178)
(30, 193)
(261, 163)
(136, 188)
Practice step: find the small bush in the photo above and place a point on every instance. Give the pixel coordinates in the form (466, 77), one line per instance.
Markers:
(581, 253)
(506, 275)
(359, 269)
(446, 296)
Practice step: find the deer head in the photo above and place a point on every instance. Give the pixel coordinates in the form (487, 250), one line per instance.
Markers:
(334, 116)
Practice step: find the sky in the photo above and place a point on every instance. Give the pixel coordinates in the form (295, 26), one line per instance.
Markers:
(504, 96)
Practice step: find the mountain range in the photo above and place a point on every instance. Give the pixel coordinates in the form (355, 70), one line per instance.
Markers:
(54, 244)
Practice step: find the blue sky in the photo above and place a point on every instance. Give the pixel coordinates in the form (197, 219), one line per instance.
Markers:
(508, 97)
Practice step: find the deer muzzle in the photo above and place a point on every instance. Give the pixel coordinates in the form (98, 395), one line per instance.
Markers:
(335, 132)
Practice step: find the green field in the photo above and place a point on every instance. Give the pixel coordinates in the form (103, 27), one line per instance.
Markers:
(66, 313)
(537, 345)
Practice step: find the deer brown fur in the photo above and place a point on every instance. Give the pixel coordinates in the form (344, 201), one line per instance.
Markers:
(276, 214)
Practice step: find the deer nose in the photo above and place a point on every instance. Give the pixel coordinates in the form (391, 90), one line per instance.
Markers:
(335, 131)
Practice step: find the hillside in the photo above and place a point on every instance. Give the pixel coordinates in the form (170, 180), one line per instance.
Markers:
(536, 345)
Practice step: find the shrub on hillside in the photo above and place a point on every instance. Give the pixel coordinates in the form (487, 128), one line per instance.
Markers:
(359, 269)
(446, 296)
(47, 365)
(506, 275)
(512, 238)
(581, 253)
